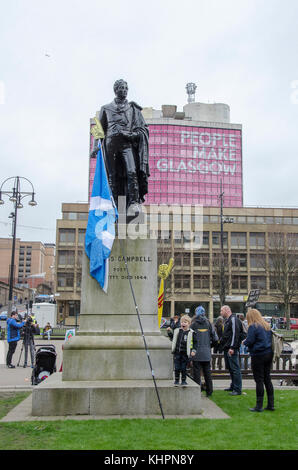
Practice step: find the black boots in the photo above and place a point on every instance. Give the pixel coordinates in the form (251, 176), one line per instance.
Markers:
(270, 405)
(259, 405)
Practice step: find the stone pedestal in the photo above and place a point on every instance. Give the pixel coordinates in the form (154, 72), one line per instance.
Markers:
(105, 367)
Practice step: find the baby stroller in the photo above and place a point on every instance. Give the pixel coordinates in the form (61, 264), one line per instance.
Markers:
(45, 363)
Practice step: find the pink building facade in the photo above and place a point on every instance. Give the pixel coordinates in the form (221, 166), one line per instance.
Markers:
(189, 162)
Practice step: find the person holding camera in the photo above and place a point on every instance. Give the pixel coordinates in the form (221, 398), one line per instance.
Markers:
(13, 336)
(28, 340)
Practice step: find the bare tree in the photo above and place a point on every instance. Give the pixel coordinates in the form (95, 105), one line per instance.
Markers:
(220, 276)
(283, 269)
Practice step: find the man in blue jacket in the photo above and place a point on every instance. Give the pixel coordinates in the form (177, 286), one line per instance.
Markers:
(13, 336)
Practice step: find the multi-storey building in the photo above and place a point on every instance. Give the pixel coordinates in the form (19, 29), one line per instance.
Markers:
(70, 236)
(247, 250)
(34, 263)
(194, 279)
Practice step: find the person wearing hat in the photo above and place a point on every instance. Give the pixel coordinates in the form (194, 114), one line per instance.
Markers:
(207, 337)
(13, 336)
(174, 322)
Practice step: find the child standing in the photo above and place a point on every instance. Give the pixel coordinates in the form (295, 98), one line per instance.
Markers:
(183, 346)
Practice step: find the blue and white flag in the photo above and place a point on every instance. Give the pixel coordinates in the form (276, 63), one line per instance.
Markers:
(100, 233)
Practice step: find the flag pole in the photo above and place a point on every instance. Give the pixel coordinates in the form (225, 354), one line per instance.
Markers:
(135, 302)
(141, 327)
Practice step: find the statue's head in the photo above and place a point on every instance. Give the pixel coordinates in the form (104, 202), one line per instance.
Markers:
(120, 88)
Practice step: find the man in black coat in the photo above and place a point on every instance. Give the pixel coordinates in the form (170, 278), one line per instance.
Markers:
(230, 345)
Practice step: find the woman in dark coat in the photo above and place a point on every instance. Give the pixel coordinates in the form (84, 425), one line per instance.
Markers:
(259, 343)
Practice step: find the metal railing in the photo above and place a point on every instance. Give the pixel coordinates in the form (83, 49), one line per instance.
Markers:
(285, 367)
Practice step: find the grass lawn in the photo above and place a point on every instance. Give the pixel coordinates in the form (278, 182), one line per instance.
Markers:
(244, 430)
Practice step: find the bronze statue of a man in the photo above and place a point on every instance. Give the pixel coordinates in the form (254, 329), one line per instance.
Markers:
(125, 148)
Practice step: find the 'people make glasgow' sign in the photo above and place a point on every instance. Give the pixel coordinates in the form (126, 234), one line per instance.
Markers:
(191, 160)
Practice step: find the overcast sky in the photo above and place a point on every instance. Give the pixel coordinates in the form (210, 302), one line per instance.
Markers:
(60, 59)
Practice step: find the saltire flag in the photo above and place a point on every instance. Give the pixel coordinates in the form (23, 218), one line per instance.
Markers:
(100, 232)
(160, 301)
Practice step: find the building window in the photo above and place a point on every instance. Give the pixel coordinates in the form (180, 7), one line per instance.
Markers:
(201, 283)
(257, 261)
(239, 283)
(257, 240)
(177, 237)
(67, 235)
(241, 219)
(82, 215)
(216, 238)
(79, 258)
(66, 257)
(81, 236)
(164, 236)
(182, 281)
(182, 259)
(205, 238)
(238, 239)
(201, 239)
(258, 282)
(292, 240)
(272, 283)
(239, 260)
(201, 260)
(65, 279)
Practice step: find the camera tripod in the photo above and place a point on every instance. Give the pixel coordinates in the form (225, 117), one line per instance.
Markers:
(26, 344)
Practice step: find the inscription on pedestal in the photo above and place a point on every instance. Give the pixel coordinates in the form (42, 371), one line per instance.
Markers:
(118, 270)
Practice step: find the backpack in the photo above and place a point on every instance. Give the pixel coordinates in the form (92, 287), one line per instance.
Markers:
(277, 345)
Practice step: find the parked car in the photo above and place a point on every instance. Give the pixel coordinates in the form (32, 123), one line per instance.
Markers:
(293, 323)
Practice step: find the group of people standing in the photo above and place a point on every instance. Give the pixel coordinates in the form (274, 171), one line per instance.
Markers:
(194, 338)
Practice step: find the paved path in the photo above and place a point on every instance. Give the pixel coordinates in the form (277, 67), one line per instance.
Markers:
(20, 378)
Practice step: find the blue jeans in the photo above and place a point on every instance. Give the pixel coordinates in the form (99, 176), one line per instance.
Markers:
(233, 366)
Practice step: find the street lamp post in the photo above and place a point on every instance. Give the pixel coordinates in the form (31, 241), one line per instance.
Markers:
(228, 220)
(16, 196)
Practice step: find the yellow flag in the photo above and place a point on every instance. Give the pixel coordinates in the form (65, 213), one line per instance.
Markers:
(160, 301)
